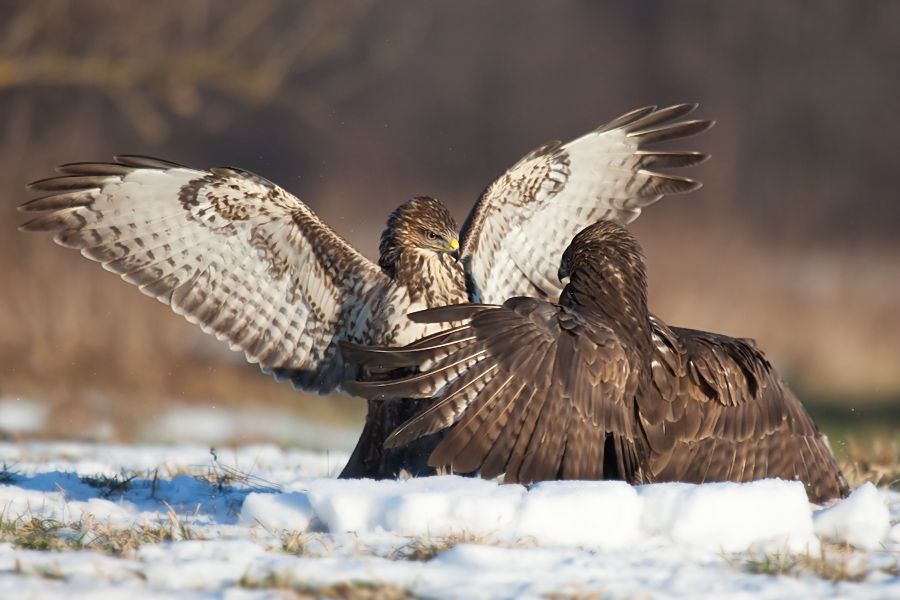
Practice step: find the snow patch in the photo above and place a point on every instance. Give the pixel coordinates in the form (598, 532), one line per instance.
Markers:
(21, 416)
(428, 506)
(731, 516)
(277, 512)
(894, 535)
(726, 517)
(603, 514)
(578, 538)
(861, 520)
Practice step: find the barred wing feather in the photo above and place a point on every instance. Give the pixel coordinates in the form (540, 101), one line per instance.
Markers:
(528, 389)
(230, 251)
(516, 233)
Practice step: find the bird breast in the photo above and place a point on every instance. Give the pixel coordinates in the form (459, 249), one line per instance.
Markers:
(424, 280)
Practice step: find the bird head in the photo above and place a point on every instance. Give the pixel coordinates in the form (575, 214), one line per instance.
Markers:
(604, 241)
(422, 224)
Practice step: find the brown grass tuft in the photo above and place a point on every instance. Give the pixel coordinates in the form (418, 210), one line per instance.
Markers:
(35, 533)
(835, 562)
(346, 590)
(877, 459)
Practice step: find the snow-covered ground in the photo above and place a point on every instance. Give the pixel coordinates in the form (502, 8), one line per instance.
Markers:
(174, 521)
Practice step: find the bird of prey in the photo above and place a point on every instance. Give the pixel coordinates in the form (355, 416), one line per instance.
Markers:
(595, 387)
(253, 265)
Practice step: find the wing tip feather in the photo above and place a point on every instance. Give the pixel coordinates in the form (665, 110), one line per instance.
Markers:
(662, 159)
(449, 313)
(673, 184)
(145, 162)
(681, 129)
(626, 119)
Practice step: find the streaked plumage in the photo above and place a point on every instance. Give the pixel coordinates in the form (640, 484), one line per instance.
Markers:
(250, 263)
(594, 387)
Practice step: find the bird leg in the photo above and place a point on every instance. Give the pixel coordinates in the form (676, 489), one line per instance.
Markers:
(371, 460)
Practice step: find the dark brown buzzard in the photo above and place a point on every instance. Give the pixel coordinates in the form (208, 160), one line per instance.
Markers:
(253, 265)
(595, 387)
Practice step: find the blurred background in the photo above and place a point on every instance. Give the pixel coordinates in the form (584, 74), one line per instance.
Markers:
(357, 106)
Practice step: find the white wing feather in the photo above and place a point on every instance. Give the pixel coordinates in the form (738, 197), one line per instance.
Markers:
(230, 251)
(515, 235)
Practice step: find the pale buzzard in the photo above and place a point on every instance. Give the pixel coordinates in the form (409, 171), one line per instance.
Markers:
(595, 387)
(250, 263)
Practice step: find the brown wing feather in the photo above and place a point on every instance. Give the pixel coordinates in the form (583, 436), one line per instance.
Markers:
(468, 443)
(511, 393)
(230, 251)
(442, 413)
(718, 411)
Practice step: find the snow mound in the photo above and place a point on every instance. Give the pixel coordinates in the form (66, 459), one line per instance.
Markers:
(730, 516)
(862, 520)
(597, 514)
(429, 506)
(605, 514)
(277, 512)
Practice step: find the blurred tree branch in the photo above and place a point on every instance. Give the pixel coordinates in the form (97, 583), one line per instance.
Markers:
(257, 53)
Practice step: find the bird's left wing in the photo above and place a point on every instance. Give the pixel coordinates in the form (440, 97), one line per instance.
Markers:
(528, 389)
(230, 251)
(513, 238)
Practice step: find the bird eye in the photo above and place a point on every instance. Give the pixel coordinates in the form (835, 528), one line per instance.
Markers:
(431, 235)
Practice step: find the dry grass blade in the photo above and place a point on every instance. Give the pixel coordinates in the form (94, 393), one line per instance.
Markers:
(109, 486)
(346, 590)
(876, 460)
(8, 474)
(834, 562)
(222, 475)
(37, 533)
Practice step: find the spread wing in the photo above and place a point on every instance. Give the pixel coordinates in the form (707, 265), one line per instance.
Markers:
(719, 412)
(529, 389)
(228, 250)
(516, 233)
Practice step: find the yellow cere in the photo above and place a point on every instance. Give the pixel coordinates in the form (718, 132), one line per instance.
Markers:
(454, 244)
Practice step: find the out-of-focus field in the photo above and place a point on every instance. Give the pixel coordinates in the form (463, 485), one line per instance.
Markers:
(357, 106)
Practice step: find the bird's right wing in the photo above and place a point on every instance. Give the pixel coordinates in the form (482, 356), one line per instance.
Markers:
(230, 251)
(528, 389)
(515, 235)
(717, 411)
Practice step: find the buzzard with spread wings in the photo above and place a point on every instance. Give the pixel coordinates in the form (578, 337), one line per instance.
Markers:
(251, 264)
(595, 387)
